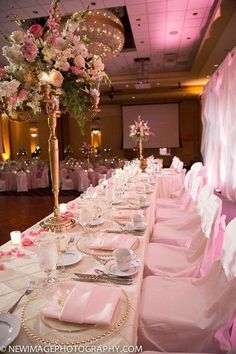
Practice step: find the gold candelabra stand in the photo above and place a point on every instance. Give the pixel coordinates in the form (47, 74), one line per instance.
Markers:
(56, 223)
(143, 162)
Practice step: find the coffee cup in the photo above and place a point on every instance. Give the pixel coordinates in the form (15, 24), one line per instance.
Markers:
(142, 201)
(138, 220)
(147, 188)
(123, 258)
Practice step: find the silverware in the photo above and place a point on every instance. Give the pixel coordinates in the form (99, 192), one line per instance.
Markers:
(102, 278)
(28, 291)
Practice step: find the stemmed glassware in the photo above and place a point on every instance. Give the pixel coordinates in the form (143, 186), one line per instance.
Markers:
(85, 218)
(48, 258)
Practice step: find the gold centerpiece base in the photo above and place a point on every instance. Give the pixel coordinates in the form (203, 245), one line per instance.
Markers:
(57, 224)
(143, 164)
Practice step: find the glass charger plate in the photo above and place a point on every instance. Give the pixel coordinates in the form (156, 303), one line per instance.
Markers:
(51, 331)
(82, 246)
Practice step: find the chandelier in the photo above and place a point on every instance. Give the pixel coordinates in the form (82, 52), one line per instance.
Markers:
(104, 31)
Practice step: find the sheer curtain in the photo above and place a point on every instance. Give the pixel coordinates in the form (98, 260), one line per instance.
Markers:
(219, 127)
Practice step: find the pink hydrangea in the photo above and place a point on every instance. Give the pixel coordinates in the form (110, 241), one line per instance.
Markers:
(23, 95)
(75, 70)
(29, 50)
(36, 30)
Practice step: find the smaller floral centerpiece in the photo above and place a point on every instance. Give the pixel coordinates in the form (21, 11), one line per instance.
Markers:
(87, 150)
(140, 132)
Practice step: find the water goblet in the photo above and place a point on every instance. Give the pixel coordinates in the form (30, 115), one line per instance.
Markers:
(48, 258)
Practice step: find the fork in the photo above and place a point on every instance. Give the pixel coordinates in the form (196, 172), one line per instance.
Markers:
(28, 291)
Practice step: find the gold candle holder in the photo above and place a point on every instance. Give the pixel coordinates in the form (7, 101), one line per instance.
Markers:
(56, 223)
(143, 162)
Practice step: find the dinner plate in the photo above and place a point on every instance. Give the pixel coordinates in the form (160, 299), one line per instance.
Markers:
(9, 329)
(72, 256)
(112, 268)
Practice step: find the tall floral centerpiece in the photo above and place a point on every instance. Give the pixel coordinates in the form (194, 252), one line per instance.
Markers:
(140, 132)
(51, 69)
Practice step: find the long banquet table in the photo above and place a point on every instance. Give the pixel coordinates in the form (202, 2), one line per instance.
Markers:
(19, 270)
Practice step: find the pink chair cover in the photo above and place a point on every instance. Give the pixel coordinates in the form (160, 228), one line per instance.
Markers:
(83, 180)
(21, 182)
(187, 315)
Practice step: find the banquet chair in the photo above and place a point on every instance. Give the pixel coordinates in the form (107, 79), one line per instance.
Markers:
(175, 162)
(181, 231)
(3, 186)
(66, 182)
(187, 203)
(21, 182)
(42, 179)
(205, 247)
(192, 315)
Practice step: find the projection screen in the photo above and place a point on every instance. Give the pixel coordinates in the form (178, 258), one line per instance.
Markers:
(163, 120)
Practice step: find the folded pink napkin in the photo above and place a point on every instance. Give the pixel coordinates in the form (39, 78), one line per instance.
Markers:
(83, 303)
(112, 241)
(124, 215)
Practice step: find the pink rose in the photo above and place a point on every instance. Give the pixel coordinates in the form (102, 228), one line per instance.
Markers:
(36, 30)
(23, 95)
(56, 78)
(2, 73)
(75, 70)
(29, 50)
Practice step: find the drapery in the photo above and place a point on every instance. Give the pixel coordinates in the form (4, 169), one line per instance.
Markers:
(218, 145)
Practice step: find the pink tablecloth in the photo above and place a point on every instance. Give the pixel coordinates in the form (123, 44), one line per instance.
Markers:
(168, 183)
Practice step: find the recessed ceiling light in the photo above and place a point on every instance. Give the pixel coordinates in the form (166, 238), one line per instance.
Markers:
(172, 33)
(133, 97)
(195, 13)
(188, 38)
(127, 85)
(216, 65)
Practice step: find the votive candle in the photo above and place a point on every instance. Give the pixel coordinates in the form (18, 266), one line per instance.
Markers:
(63, 207)
(15, 237)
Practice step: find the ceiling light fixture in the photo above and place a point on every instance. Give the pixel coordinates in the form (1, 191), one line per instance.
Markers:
(216, 65)
(126, 85)
(133, 97)
(105, 32)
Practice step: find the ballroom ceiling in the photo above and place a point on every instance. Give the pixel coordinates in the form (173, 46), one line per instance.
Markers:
(182, 41)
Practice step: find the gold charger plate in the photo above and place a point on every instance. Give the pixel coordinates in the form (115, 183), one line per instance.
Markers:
(50, 331)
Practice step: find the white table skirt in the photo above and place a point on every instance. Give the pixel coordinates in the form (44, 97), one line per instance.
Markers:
(18, 272)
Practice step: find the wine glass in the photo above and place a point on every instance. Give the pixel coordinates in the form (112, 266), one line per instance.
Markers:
(85, 217)
(48, 258)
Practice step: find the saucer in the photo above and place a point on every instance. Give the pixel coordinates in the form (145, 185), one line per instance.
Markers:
(71, 257)
(112, 268)
(131, 227)
(97, 222)
(9, 329)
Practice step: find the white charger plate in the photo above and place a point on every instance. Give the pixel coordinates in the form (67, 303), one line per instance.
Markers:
(112, 268)
(9, 329)
(72, 256)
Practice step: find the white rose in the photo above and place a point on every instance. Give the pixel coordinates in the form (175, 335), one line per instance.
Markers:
(17, 36)
(79, 61)
(98, 64)
(56, 78)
